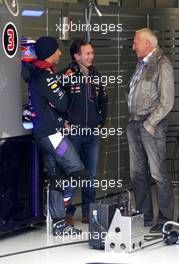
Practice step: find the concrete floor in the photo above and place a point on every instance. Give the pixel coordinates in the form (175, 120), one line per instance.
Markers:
(37, 246)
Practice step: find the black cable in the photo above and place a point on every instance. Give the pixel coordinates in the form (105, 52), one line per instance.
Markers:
(152, 244)
(41, 248)
(148, 238)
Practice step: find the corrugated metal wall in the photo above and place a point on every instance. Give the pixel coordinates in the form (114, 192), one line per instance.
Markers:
(149, 3)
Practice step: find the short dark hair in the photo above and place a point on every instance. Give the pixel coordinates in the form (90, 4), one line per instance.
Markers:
(76, 46)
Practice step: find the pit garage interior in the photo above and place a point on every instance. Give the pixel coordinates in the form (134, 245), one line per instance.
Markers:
(25, 234)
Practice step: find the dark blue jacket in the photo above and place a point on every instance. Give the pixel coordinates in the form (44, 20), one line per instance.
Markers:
(87, 99)
(45, 91)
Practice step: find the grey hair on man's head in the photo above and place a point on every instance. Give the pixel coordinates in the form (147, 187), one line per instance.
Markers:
(149, 35)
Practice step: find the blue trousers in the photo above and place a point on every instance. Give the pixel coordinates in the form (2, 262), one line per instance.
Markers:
(148, 157)
(69, 161)
(88, 148)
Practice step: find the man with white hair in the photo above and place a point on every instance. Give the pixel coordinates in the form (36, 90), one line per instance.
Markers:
(150, 99)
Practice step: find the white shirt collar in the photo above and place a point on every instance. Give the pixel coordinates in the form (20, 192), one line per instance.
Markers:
(146, 58)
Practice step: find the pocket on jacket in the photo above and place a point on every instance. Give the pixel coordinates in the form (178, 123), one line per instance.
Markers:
(148, 93)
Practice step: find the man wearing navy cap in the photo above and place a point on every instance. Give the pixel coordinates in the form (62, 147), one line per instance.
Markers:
(50, 103)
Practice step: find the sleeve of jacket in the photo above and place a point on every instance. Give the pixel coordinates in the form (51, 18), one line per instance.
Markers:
(102, 104)
(52, 91)
(167, 94)
(64, 80)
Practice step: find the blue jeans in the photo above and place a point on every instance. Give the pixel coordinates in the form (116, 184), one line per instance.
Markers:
(148, 157)
(69, 161)
(88, 148)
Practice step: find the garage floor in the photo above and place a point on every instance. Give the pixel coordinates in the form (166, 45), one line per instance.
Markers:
(79, 253)
(37, 246)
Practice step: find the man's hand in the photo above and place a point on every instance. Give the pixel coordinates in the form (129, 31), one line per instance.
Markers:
(66, 125)
(149, 128)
